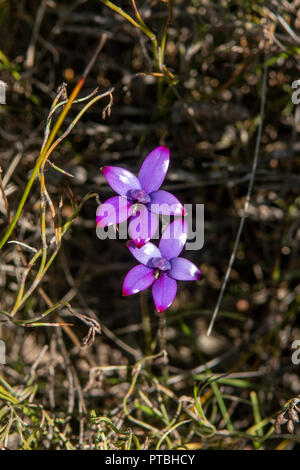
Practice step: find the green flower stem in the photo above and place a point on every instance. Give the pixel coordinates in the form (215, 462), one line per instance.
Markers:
(162, 340)
(46, 145)
(140, 25)
(41, 273)
(146, 323)
(41, 158)
(165, 32)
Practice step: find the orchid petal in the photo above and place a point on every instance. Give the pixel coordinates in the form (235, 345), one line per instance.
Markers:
(184, 270)
(137, 279)
(164, 292)
(163, 202)
(142, 226)
(145, 253)
(113, 211)
(173, 239)
(154, 169)
(120, 180)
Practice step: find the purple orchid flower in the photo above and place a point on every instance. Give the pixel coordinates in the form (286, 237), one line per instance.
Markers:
(161, 267)
(139, 197)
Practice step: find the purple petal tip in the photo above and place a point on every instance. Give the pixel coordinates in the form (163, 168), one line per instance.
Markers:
(139, 243)
(164, 148)
(104, 170)
(161, 309)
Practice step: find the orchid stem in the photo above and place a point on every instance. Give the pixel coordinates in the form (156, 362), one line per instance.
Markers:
(146, 323)
(162, 340)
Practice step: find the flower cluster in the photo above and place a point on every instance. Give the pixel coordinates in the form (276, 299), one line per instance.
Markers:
(141, 201)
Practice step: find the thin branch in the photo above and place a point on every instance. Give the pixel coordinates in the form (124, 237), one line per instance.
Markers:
(137, 13)
(166, 29)
(248, 198)
(4, 196)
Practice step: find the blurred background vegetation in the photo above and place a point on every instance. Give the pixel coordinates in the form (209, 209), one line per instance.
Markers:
(235, 389)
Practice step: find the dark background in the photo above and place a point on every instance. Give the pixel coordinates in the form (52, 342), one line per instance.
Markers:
(217, 50)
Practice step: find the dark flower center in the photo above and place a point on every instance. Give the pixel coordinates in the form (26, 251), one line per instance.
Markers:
(139, 195)
(161, 263)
